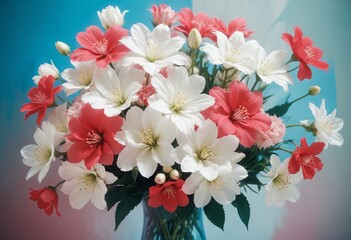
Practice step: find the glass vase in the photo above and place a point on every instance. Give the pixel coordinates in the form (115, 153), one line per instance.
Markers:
(160, 224)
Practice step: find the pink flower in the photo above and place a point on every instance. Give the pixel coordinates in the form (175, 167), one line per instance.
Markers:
(273, 135)
(203, 23)
(103, 48)
(144, 93)
(41, 98)
(75, 108)
(305, 52)
(238, 24)
(162, 14)
(238, 112)
(305, 157)
(92, 135)
(169, 195)
(46, 198)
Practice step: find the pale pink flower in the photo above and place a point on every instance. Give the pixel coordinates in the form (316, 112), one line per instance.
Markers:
(236, 25)
(74, 110)
(162, 14)
(144, 93)
(273, 135)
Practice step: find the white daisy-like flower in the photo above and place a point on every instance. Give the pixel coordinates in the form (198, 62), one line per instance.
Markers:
(58, 117)
(327, 126)
(80, 77)
(203, 152)
(40, 156)
(46, 69)
(179, 98)
(84, 185)
(153, 50)
(148, 137)
(114, 91)
(281, 188)
(223, 189)
(272, 68)
(111, 16)
(233, 52)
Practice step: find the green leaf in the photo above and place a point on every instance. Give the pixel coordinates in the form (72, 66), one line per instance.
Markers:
(135, 173)
(243, 207)
(215, 213)
(184, 213)
(125, 206)
(281, 109)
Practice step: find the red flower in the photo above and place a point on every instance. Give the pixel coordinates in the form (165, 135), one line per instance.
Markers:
(92, 134)
(41, 98)
(203, 23)
(46, 199)
(103, 48)
(169, 195)
(238, 24)
(238, 112)
(305, 52)
(305, 157)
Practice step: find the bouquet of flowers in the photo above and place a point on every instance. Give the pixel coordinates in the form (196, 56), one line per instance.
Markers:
(174, 117)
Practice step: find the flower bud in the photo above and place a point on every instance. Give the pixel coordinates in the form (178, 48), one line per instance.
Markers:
(47, 69)
(162, 14)
(160, 178)
(111, 16)
(174, 174)
(194, 39)
(167, 169)
(314, 90)
(62, 48)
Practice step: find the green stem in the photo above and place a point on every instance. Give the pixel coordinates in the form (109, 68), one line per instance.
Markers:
(294, 125)
(193, 57)
(163, 227)
(61, 98)
(293, 69)
(59, 184)
(175, 229)
(253, 87)
(242, 79)
(307, 94)
(285, 150)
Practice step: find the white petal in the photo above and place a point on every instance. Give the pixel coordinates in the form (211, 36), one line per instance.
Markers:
(98, 194)
(192, 183)
(202, 195)
(79, 197)
(146, 165)
(127, 158)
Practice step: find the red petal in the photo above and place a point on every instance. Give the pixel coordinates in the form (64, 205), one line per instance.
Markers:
(155, 201)
(294, 166)
(79, 151)
(83, 55)
(316, 148)
(304, 72)
(308, 172)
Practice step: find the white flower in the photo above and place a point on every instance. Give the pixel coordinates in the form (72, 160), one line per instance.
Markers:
(179, 97)
(223, 189)
(233, 52)
(282, 186)
(46, 69)
(62, 48)
(194, 39)
(40, 156)
(328, 126)
(79, 78)
(148, 138)
(58, 117)
(203, 152)
(111, 16)
(153, 50)
(83, 185)
(273, 68)
(114, 92)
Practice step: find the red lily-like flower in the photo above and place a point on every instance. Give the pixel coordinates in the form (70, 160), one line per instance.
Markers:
(41, 98)
(203, 23)
(46, 198)
(92, 134)
(238, 112)
(305, 157)
(169, 195)
(305, 53)
(103, 48)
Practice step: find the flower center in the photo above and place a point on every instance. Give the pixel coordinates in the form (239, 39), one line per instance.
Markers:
(100, 47)
(205, 153)
(85, 79)
(152, 50)
(232, 54)
(178, 105)
(148, 138)
(309, 51)
(281, 181)
(169, 192)
(93, 138)
(39, 97)
(266, 66)
(42, 154)
(308, 160)
(240, 114)
(86, 181)
(117, 96)
(217, 184)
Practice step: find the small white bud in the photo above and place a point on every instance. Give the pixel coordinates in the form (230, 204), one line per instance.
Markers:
(314, 90)
(160, 178)
(194, 39)
(167, 169)
(111, 16)
(46, 69)
(174, 174)
(62, 48)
